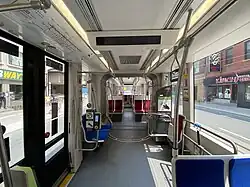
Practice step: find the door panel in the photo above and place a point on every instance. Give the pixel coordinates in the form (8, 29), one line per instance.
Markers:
(26, 127)
(56, 146)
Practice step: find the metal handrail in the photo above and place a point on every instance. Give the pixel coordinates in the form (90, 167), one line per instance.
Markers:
(215, 134)
(163, 116)
(195, 143)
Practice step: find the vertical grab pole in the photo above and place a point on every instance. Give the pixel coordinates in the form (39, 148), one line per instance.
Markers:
(181, 70)
(4, 161)
(171, 69)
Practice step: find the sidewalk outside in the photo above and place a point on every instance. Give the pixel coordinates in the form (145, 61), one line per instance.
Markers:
(224, 108)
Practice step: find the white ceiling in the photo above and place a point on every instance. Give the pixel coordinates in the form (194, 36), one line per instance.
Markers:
(128, 80)
(120, 15)
(95, 15)
(131, 14)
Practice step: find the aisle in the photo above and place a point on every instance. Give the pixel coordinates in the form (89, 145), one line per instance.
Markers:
(121, 164)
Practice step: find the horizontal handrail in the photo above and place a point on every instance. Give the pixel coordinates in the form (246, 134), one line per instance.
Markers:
(163, 117)
(195, 143)
(186, 136)
(215, 134)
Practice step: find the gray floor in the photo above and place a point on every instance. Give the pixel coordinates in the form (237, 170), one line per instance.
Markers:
(121, 164)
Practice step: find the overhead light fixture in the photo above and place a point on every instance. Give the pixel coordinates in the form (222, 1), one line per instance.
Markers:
(97, 52)
(66, 13)
(147, 69)
(104, 61)
(164, 51)
(199, 13)
(69, 17)
(155, 60)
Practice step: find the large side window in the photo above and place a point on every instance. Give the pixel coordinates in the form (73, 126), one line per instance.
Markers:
(11, 105)
(247, 50)
(196, 67)
(16, 61)
(229, 55)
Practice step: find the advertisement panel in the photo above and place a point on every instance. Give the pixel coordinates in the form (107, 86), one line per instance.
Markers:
(215, 62)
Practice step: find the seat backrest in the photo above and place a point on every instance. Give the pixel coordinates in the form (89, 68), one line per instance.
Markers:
(23, 177)
(138, 106)
(111, 105)
(239, 172)
(146, 105)
(200, 173)
(118, 105)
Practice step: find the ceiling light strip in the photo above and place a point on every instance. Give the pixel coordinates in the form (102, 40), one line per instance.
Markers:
(68, 16)
(199, 13)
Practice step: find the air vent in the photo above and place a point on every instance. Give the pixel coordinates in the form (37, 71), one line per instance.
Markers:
(130, 59)
(128, 40)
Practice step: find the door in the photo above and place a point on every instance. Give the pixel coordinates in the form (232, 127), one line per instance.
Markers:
(23, 72)
(234, 93)
(56, 134)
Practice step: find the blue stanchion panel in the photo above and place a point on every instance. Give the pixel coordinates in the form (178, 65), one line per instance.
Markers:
(239, 172)
(200, 173)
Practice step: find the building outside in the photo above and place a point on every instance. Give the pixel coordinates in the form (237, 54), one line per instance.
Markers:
(11, 79)
(225, 77)
(199, 76)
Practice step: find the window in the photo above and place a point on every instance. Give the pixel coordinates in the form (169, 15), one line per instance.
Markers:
(196, 67)
(229, 55)
(54, 105)
(247, 93)
(11, 109)
(247, 50)
(16, 61)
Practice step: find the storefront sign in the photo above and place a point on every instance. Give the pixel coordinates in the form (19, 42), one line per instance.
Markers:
(233, 79)
(174, 75)
(215, 62)
(11, 75)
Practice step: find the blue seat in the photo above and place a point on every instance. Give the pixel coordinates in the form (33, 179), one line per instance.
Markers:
(239, 172)
(199, 173)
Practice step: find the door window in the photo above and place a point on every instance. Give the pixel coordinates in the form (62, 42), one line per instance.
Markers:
(54, 106)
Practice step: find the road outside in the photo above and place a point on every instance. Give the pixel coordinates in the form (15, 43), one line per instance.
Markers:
(13, 121)
(230, 121)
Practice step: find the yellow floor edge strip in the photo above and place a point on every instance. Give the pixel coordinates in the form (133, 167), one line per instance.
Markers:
(66, 180)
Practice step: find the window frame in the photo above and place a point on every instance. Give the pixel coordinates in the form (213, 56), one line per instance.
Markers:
(196, 67)
(246, 53)
(229, 60)
(20, 63)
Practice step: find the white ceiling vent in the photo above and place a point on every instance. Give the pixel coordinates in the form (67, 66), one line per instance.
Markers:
(130, 59)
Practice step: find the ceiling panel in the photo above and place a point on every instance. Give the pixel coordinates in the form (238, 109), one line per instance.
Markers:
(49, 30)
(128, 80)
(129, 14)
(130, 59)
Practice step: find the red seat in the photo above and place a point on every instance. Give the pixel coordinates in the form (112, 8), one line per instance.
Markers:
(146, 105)
(118, 106)
(138, 108)
(180, 125)
(111, 106)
